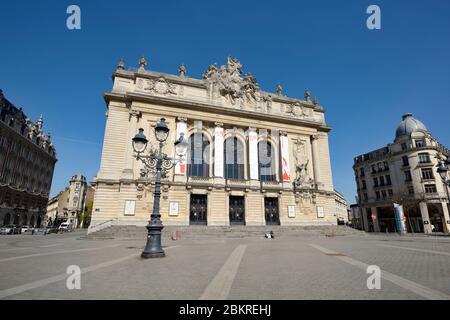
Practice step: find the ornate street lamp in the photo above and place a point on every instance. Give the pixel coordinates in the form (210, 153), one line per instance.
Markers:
(447, 163)
(442, 170)
(156, 163)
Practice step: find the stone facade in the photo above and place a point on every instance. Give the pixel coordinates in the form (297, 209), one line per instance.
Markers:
(225, 108)
(27, 161)
(403, 172)
(342, 208)
(69, 204)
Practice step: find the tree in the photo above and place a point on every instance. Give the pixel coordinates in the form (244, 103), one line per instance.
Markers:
(85, 216)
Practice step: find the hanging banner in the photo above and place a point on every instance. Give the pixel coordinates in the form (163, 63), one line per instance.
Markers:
(218, 152)
(180, 167)
(253, 154)
(285, 158)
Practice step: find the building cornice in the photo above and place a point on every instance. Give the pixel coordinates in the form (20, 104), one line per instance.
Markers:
(200, 83)
(216, 108)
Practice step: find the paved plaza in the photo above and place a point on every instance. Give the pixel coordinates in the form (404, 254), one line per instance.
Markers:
(306, 266)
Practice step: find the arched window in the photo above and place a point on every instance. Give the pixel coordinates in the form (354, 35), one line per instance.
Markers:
(198, 155)
(266, 162)
(233, 155)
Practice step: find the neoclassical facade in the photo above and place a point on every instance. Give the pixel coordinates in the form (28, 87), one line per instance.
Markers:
(27, 161)
(403, 172)
(253, 158)
(69, 204)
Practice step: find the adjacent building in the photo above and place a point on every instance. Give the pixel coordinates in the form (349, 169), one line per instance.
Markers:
(341, 207)
(27, 161)
(404, 172)
(71, 204)
(254, 157)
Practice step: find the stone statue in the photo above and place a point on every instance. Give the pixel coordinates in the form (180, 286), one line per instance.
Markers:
(142, 63)
(279, 89)
(182, 70)
(212, 70)
(316, 101)
(302, 179)
(121, 64)
(228, 82)
(307, 95)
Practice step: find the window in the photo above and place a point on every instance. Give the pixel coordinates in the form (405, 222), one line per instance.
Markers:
(373, 169)
(380, 167)
(233, 159)
(383, 194)
(362, 174)
(266, 161)
(411, 190)
(404, 146)
(424, 158)
(198, 155)
(420, 143)
(405, 161)
(430, 188)
(375, 182)
(388, 180)
(381, 181)
(408, 176)
(427, 174)
(390, 193)
(364, 186)
(386, 166)
(366, 198)
(377, 194)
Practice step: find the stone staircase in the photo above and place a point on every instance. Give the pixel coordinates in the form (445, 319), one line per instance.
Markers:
(208, 232)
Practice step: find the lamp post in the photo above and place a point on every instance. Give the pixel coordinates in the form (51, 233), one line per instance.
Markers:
(157, 163)
(443, 169)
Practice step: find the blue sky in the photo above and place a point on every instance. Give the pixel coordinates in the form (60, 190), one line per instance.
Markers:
(365, 79)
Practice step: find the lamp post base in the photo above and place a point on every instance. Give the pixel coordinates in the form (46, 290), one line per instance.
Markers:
(153, 247)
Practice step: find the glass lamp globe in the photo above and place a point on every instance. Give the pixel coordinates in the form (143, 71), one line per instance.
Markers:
(181, 145)
(140, 141)
(161, 130)
(447, 163)
(442, 170)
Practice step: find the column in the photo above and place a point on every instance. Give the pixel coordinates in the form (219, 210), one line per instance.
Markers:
(446, 217)
(127, 172)
(365, 223)
(218, 150)
(316, 160)
(253, 153)
(285, 163)
(425, 217)
(180, 167)
(376, 225)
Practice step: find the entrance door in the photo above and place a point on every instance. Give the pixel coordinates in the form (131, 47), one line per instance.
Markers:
(237, 210)
(271, 211)
(198, 209)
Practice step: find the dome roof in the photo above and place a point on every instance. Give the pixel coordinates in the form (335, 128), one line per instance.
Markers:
(408, 125)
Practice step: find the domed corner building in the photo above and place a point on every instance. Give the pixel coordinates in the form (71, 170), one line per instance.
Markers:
(404, 172)
(254, 158)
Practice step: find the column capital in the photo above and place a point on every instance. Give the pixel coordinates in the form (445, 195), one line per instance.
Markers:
(181, 119)
(134, 113)
(283, 133)
(252, 129)
(218, 124)
(315, 136)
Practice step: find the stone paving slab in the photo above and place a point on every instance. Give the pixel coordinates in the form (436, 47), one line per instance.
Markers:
(281, 268)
